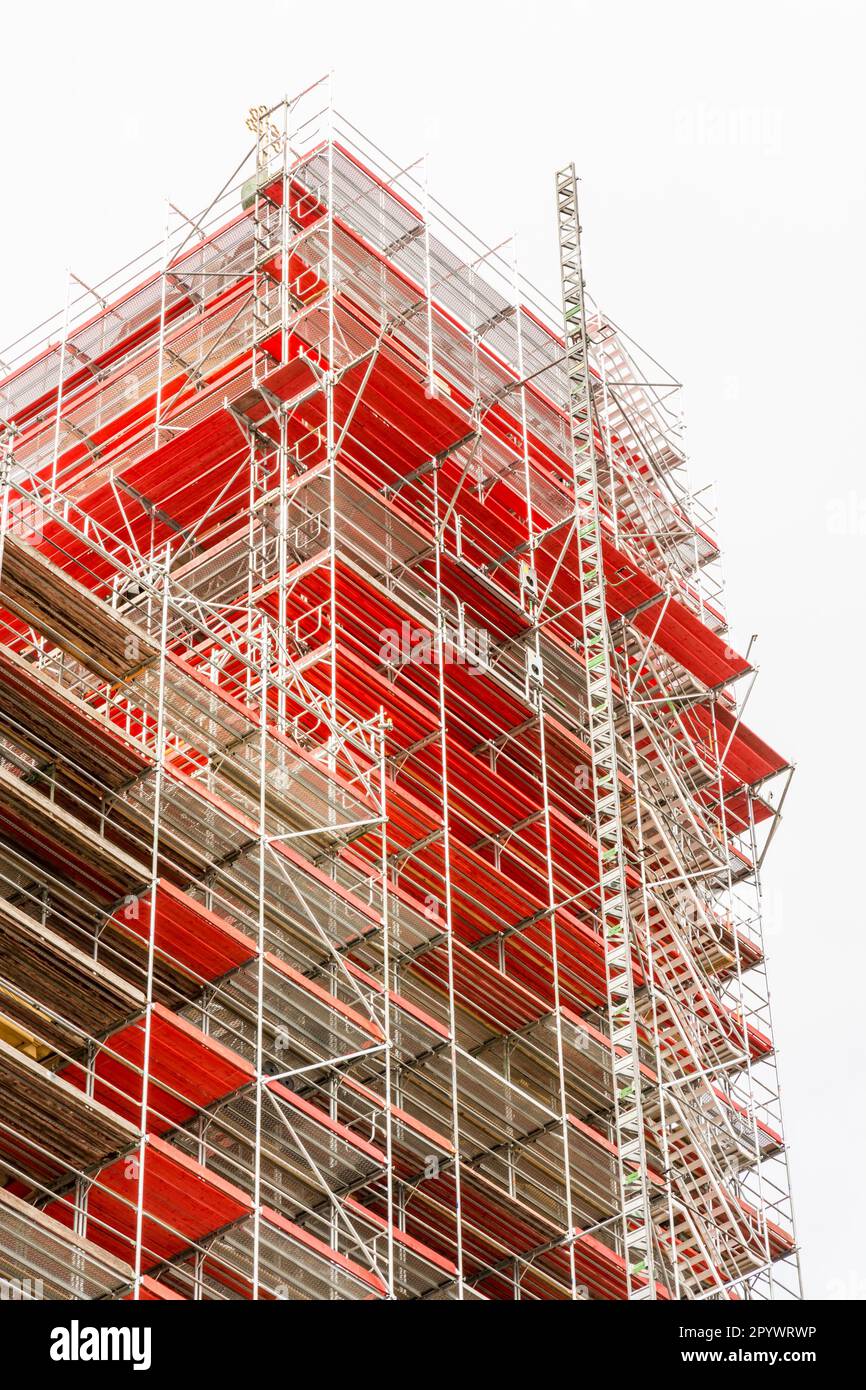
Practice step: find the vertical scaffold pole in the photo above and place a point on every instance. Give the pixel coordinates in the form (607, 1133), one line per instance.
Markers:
(260, 948)
(382, 745)
(159, 777)
(613, 906)
(160, 360)
(61, 373)
(330, 439)
(545, 789)
(448, 904)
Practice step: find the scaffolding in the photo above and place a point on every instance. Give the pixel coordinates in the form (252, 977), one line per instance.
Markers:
(381, 834)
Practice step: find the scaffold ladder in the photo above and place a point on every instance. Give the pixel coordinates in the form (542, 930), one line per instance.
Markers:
(613, 905)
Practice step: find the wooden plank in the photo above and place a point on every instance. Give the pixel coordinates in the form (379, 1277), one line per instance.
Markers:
(45, 718)
(43, 1109)
(43, 828)
(63, 610)
(68, 984)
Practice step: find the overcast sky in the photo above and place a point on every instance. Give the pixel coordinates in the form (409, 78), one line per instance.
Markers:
(721, 153)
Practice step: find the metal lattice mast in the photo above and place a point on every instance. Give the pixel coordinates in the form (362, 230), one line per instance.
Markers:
(613, 906)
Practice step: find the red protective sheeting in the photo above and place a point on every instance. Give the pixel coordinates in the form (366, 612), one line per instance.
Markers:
(183, 1203)
(186, 933)
(188, 1071)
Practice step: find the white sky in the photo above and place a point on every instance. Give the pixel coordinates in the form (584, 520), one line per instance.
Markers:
(720, 150)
